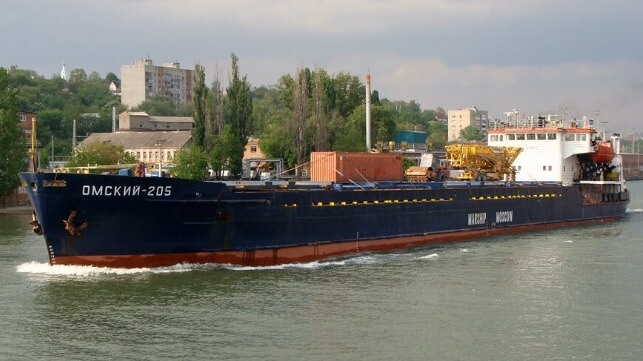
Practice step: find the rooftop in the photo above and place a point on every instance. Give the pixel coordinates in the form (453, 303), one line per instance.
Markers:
(130, 140)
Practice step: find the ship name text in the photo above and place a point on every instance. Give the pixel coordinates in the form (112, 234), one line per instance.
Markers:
(126, 191)
(477, 218)
(504, 216)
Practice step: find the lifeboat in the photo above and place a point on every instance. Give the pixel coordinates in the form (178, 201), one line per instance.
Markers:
(603, 153)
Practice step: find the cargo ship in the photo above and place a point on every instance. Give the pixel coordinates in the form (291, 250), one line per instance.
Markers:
(565, 174)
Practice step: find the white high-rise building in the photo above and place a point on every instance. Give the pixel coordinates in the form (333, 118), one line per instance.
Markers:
(462, 118)
(142, 80)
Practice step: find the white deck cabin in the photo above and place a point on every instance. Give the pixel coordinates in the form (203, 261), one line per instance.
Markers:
(550, 146)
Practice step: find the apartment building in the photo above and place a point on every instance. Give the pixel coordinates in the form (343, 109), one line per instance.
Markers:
(143, 80)
(462, 118)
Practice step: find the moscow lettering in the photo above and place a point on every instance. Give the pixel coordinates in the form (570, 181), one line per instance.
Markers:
(504, 216)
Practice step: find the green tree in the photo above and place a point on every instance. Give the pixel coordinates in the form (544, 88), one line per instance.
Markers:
(320, 118)
(437, 135)
(200, 96)
(12, 141)
(347, 94)
(215, 121)
(353, 137)
(55, 147)
(409, 115)
(285, 88)
(77, 75)
(161, 106)
(278, 142)
(93, 94)
(190, 163)
(300, 115)
(225, 154)
(239, 109)
(50, 122)
(111, 77)
(471, 133)
(263, 113)
(100, 153)
(276, 139)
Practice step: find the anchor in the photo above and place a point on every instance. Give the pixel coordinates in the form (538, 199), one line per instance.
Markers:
(71, 228)
(35, 225)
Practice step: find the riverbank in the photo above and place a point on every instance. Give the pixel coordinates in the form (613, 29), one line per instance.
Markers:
(16, 210)
(15, 202)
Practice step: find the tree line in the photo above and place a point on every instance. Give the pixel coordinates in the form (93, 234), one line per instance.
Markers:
(12, 141)
(310, 110)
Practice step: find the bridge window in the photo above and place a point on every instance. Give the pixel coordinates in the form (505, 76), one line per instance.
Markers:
(541, 136)
(511, 137)
(531, 136)
(520, 137)
(551, 136)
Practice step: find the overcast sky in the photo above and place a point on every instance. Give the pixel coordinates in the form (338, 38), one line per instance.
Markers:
(582, 57)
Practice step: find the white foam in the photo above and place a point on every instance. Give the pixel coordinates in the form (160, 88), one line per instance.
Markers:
(309, 265)
(86, 271)
(312, 265)
(636, 210)
(429, 256)
(569, 241)
(464, 250)
(362, 260)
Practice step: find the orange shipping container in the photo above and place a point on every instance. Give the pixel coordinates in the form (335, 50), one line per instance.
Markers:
(343, 167)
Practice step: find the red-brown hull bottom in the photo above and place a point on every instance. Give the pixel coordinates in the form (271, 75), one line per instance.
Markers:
(300, 254)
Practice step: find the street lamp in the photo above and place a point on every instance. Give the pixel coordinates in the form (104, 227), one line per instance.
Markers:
(158, 145)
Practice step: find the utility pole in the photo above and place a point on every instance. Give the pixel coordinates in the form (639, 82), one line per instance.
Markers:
(32, 151)
(368, 112)
(73, 135)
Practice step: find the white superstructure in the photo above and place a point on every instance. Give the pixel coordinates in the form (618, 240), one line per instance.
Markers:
(557, 150)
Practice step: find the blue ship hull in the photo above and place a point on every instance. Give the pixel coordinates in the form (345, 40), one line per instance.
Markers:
(118, 221)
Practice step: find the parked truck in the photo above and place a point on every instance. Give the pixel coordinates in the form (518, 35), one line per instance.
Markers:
(432, 168)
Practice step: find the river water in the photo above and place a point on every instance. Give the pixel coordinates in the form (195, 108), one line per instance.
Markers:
(562, 294)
